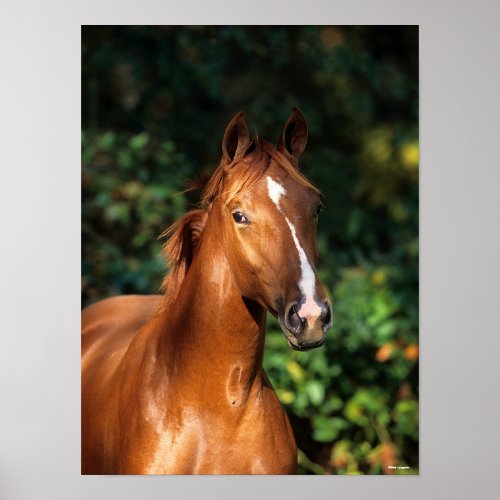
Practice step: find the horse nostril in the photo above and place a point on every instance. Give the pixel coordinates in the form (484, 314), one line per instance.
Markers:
(292, 320)
(326, 315)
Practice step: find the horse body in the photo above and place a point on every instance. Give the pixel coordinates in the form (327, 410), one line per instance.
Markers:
(187, 382)
(175, 384)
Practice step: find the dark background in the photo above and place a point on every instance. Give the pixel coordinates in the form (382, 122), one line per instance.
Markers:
(155, 103)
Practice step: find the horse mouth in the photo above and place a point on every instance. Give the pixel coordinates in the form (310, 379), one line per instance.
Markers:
(293, 341)
(307, 346)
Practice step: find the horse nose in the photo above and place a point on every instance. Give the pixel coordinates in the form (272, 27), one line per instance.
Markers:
(298, 320)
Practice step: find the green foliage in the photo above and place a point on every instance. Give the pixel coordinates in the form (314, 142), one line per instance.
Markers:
(156, 102)
(131, 190)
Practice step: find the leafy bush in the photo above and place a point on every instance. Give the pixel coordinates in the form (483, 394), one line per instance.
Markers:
(357, 396)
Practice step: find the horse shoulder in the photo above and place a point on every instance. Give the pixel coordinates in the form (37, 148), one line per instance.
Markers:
(279, 456)
(263, 442)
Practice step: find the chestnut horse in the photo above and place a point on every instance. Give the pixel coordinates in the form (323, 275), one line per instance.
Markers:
(174, 384)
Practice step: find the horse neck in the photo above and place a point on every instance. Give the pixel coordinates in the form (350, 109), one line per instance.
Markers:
(211, 335)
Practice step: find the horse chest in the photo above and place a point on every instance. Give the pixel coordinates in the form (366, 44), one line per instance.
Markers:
(254, 440)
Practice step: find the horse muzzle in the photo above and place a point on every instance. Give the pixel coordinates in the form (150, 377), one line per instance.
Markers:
(305, 329)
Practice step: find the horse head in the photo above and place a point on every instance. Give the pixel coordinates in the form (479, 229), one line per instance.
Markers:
(268, 212)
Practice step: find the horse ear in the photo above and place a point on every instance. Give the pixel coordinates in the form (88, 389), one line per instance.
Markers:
(236, 139)
(293, 138)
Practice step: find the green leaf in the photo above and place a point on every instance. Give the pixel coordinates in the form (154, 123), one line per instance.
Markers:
(106, 141)
(125, 159)
(139, 141)
(315, 391)
(118, 212)
(332, 404)
(327, 429)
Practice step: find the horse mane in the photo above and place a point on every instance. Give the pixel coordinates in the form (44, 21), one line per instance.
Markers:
(183, 236)
(228, 179)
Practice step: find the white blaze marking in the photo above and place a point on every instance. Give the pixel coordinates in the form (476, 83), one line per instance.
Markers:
(310, 309)
(276, 191)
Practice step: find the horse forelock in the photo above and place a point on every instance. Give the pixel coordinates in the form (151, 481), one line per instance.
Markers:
(229, 179)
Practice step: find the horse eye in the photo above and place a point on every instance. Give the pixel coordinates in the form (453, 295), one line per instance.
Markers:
(239, 218)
